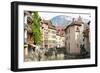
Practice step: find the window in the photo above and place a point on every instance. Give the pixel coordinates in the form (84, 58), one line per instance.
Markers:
(69, 30)
(53, 32)
(77, 29)
(69, 37)
(66, 38)
(62, 29)
(83, 39)
(69, 46)
(48, 30)
(42, 27)
(77, 45)
(58, 29)
(53, 36)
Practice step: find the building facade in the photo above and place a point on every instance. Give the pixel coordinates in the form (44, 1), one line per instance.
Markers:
(86, 35)
(51, 36)
(28, 38)
(48, 34)
(60, 41)
(60, 36)
(44, 30)
(74, 37)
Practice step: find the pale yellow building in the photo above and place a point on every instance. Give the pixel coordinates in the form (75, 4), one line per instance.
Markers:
(48, 34)
(60, 41)
(51, 35)
(44, 30)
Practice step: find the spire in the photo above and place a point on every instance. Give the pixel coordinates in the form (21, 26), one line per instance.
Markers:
(80, 19)
(73, 20)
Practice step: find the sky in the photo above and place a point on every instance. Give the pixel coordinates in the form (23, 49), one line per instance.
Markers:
(50, 15)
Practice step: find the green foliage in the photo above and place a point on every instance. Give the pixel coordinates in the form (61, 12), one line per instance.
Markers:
(37, 35)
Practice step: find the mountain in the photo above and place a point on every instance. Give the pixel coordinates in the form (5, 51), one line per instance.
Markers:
(61, 20)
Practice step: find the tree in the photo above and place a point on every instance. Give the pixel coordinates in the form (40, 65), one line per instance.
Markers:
(36, 28)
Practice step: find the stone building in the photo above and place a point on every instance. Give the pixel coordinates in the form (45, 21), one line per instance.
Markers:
(75, 37)
(28, 39)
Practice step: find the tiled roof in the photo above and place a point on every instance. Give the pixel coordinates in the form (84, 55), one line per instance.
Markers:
(48, 22)
(75, 22)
